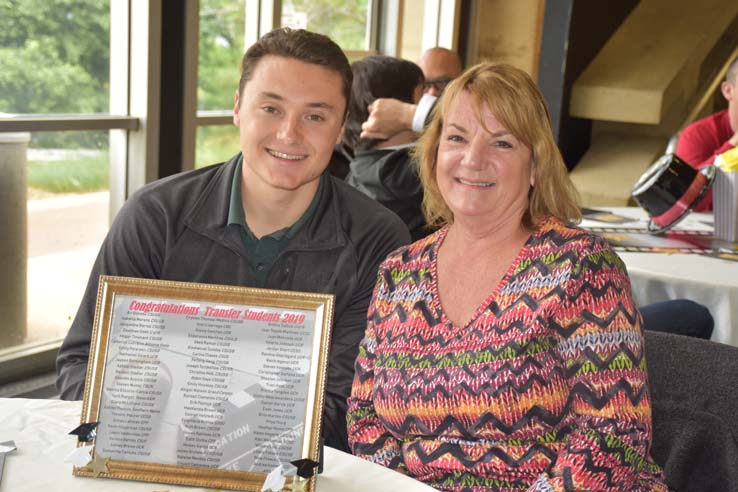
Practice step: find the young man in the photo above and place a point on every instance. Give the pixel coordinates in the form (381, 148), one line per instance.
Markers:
(709, 137)
(270, 217)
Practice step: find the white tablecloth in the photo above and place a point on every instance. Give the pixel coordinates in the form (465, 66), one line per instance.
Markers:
(659, 277)
(40, 427)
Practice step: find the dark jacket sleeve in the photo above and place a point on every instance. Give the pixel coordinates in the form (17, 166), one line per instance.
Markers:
(384, 233)
(134, 247)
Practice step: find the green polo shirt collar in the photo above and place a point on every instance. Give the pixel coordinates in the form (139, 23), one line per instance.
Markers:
(263, 252)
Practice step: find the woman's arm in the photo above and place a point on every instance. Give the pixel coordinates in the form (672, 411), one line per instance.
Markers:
(368, 437)
(601, 348)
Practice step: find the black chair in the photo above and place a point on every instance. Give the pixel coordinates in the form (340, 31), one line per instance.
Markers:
(694, 392)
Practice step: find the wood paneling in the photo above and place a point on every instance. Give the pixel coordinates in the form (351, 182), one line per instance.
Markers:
(412, 29)
(607, 172)
(652, 61)
(508, 31)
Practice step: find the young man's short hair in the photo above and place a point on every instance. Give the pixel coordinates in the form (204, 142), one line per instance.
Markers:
(302, 45)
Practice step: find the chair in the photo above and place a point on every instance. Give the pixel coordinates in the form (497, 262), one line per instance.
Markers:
(694, 393)
(678, 316)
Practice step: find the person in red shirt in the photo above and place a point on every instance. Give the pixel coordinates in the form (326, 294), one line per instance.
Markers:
(709, 137)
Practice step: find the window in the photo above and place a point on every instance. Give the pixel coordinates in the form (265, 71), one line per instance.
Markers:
(68, 200)
(216, 143)
(224, 31)
(79, 129)
(349, 24)
(63, 175)
(220, 48)
(59, 147)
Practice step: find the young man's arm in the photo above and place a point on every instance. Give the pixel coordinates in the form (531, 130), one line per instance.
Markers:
(385, 234)
(132, 248)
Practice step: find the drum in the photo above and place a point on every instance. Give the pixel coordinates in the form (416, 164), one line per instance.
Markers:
(670, 189)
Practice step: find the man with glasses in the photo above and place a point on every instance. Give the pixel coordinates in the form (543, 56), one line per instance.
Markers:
(440, 66)
(389, 116)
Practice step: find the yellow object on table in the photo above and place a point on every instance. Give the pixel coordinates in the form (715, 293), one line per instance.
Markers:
(728, 161)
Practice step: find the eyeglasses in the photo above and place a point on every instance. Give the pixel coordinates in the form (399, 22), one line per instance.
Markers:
(438, 84)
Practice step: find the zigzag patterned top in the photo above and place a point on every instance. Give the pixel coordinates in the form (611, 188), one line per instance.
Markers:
(545, 389)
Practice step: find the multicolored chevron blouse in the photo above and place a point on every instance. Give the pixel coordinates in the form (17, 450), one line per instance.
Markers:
(545, 389)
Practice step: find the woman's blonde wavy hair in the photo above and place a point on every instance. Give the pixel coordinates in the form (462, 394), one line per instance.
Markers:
(513, 98)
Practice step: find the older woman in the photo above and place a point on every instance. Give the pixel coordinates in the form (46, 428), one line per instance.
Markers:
(504, 351)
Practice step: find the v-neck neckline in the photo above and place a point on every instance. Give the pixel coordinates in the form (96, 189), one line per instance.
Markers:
(436, 298)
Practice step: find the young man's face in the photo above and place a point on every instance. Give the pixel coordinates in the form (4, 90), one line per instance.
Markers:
(289, 116)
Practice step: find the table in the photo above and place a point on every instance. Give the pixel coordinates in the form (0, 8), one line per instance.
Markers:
(39, 429)
(656, 277)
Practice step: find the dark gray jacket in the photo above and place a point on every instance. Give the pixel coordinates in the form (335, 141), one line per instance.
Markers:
(389, 176)
(176, 229)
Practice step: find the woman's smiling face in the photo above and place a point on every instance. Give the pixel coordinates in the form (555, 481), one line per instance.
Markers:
(483, 171)
(289, 116)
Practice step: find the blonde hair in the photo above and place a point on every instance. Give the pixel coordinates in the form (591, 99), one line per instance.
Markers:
(512, 96)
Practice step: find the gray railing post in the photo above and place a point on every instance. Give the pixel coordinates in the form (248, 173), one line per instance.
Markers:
(13, 238)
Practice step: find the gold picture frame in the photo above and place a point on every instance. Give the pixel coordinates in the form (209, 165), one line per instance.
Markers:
(205, 385)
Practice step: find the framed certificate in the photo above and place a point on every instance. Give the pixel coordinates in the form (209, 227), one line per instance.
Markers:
(207, 385)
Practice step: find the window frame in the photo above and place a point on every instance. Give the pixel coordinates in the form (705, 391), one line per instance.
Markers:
(441, 22)
(135, 104)
(261, 17)
(133, 123)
